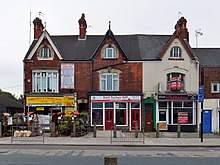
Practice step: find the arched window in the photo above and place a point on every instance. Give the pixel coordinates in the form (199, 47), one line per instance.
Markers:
(109, 52)
(45, 52)
(109, 82)
(175, 52)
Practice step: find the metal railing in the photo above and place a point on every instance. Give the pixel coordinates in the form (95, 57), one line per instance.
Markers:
(128, 134)
(34, 133)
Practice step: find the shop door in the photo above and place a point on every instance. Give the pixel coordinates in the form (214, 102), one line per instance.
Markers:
(109, 119)
(135, 118)
(207, 121)
(149, 117)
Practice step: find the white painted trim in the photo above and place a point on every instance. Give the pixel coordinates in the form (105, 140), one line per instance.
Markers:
(45, 34)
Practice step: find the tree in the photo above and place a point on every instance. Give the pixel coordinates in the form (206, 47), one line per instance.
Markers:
(9, 95)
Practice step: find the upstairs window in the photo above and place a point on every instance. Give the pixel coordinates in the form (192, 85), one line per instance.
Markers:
(216, 87)
(45, 82)
(109, 52)
(109, 82)
(45, 53)
(175, 52)
(175, 82)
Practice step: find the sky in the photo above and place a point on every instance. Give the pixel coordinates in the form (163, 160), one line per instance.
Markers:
(126, 16)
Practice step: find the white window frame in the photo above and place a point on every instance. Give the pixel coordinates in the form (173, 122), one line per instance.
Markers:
(175, 52)
(43, 79)
(45, 53)
(218, 87)
(181, 76)
(104, 84)
(109, 53)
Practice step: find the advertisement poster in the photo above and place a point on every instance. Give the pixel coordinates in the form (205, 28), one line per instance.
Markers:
(183, 117)
(67, 76)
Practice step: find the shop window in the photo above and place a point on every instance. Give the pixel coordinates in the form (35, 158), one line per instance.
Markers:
(44, 81)
(97, 105)
(97, 116)
(109, 82)
(188, 115)
(162, 116)
(175, 82)
(120, 116)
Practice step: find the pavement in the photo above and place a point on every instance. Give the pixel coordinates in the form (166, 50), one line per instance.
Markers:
(166, 139)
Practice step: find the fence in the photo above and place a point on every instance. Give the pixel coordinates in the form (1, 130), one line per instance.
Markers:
(34, 133)
(128, 134)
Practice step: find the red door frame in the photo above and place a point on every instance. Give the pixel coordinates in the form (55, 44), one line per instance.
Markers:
(135, 118)
(109, 119)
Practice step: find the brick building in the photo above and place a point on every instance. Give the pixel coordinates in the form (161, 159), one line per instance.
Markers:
(93, 73)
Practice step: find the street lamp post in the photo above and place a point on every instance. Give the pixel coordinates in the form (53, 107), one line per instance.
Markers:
(201, 88)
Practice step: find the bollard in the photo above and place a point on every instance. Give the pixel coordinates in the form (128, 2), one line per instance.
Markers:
(94, 130)
(110, 160)
(158, 131)
(114, 132)
(53, 130)
(178, 131)
(0, 129)
(74, 130)
(136, 130)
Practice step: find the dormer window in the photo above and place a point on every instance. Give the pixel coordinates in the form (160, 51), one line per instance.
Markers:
(175, 52)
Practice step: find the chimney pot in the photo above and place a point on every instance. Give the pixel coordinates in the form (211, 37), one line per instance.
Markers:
(38, 28)
(82, 27)
(182, 29)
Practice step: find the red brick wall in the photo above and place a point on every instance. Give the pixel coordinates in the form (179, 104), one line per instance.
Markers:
(131, 73)
(211, 74)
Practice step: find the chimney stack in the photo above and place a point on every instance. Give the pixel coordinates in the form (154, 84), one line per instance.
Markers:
(182, 29)
(82, 27)
(38, 28)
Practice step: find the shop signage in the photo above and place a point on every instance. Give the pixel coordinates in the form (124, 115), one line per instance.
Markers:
(40, 108)
(116, 98)
(183, 117)
(163, 126)
(175, 83)
(177, 97)
(56, 100)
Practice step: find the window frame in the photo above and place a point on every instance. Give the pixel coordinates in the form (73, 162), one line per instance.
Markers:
(175, 52)
(108, 55)
(217, 86)
(105, 84)
(45, 82)
(45, 53)
(182, 80)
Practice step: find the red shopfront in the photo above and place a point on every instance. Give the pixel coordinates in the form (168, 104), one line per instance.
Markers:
(122, 111)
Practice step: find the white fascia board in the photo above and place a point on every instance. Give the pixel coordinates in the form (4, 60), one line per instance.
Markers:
(43, 35)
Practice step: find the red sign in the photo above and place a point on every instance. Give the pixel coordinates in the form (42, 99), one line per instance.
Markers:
(175, 83)
(183, 117)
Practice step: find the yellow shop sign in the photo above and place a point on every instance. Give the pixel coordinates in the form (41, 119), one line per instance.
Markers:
(59, 100)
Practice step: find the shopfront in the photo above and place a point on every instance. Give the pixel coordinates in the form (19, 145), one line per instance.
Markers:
(122, 111)
(44, 106)
(174, 109)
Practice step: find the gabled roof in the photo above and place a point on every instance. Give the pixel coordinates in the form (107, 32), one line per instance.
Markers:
(109, 34)
(183, 42)
(136, 47)
(36, 43)
(208, 57)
